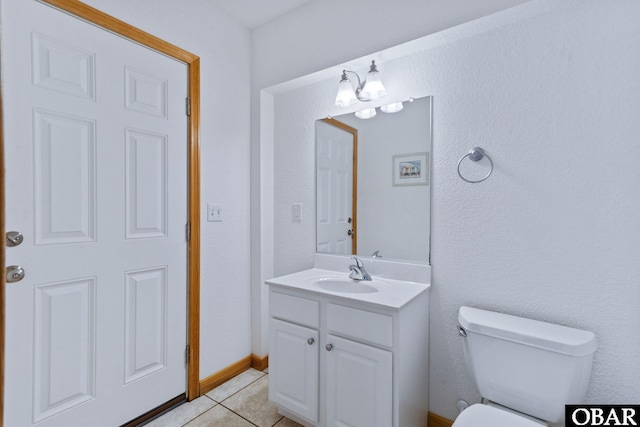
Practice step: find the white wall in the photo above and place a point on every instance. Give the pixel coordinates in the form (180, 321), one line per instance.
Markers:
(554, 233)
(318, 35)
(224, 50)
(329, 32)
(550, 91)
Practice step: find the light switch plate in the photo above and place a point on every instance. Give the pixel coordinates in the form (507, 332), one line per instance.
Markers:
(296, 212)
(214, 213)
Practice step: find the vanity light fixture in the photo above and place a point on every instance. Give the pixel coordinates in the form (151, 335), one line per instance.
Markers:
(368, 90)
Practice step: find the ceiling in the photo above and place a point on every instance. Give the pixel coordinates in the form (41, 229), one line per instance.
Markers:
(254, 13)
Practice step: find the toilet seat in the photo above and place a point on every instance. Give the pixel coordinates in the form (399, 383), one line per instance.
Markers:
(479, 415)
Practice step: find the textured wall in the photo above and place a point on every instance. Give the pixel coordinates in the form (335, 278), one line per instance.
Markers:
(325, 33)
(553, 234)
(318, 35)
(223, 48)
(552, 96)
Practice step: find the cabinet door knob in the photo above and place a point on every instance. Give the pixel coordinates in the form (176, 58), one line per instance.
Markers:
(310, 341)
(329, 347)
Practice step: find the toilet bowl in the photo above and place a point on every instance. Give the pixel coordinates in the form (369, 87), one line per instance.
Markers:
(526, 370)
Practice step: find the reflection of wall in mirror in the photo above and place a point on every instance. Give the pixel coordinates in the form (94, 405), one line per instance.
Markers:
(392, 219)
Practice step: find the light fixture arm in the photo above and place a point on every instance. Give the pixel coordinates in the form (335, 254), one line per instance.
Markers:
(360, 84)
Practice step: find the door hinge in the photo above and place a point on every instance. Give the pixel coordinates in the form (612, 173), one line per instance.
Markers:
(188, 231)
(187, 354)
(188, 105)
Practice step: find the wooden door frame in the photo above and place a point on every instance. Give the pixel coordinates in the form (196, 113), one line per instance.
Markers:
(109, 23)
(354, 188)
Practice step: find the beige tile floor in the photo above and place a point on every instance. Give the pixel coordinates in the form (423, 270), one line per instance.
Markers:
(240, 402)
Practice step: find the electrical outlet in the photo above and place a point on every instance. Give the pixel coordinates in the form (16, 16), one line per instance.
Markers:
(214, 213)
(296, 212)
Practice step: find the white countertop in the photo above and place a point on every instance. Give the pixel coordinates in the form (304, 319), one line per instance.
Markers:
(389, 293)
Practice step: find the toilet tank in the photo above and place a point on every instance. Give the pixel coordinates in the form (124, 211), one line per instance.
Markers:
(530, 366)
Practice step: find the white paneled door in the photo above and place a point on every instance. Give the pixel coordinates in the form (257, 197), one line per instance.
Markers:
(96, 182)
(334, 189)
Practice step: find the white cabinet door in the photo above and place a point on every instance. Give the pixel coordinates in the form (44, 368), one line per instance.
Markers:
(293, 371)
(359, 384)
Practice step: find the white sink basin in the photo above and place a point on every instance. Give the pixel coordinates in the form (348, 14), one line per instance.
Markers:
(346, 286)
(385, 292)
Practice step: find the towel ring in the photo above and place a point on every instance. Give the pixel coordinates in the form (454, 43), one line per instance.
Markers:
(475, 154)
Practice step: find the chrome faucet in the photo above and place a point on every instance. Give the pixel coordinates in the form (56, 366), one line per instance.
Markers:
(357, 270)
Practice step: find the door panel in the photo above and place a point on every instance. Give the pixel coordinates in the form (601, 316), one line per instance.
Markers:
(64, 178)
(96, 180)
(145, 324)
(64, 373)
(63, 67)
(145, 93)
(146, 184)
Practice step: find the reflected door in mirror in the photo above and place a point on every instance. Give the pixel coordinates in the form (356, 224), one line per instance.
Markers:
(336, 169)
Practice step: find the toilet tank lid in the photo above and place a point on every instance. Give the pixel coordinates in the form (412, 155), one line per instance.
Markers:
(548, 336)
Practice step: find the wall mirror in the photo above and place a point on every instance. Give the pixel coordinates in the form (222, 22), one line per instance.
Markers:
(373, 183)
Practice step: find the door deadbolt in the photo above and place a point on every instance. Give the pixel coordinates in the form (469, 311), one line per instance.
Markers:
(15, 273)
(14, 238)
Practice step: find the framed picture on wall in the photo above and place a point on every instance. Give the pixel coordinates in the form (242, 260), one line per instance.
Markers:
(411, 169)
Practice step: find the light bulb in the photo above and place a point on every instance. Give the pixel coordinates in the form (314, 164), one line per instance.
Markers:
(373, 87)
(392, 108)
(346, 95)
(367, 113)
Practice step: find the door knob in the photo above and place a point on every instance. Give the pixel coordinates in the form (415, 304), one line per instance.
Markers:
(15, 273)
(14, 238)
(351, 233)
(329, 347)
(310, 341)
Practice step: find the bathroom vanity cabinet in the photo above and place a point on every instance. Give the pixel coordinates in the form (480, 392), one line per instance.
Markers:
(340, 360)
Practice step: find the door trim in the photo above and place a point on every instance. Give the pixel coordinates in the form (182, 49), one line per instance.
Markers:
(354, 189)
(114, 25)
(2, 261)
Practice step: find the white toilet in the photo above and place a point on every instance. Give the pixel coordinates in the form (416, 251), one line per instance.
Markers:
(525, 370)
